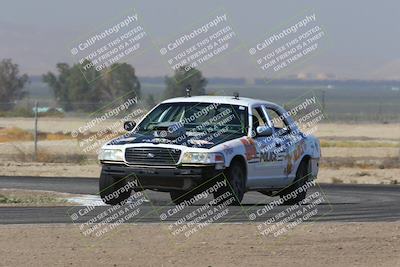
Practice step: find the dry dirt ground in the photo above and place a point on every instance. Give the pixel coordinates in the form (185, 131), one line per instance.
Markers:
(319, 244)
(10, 168)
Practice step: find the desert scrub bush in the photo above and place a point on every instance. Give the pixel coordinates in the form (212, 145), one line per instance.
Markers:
(362, 173)
(336, 180)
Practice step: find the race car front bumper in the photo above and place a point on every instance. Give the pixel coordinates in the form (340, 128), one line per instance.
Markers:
(163, 178)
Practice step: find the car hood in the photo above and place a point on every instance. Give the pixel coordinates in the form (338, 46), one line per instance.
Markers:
(207, 141)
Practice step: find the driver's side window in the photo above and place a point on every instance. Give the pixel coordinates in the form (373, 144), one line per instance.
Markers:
(259, 119)
(277, 121)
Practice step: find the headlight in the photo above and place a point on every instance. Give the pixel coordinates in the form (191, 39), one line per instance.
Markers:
(111, 154)
(203, 158)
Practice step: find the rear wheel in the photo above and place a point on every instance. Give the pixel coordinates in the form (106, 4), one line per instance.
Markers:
(236, 183)
(112, 190)
(292, 194)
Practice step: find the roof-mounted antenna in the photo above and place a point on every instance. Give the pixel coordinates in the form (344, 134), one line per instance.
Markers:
(236, 95)
(188, 89)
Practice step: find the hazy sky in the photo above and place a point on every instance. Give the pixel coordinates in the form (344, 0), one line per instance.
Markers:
(363, 37)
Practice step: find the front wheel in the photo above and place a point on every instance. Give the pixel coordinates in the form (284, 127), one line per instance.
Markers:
(235, 177)
(113, 191)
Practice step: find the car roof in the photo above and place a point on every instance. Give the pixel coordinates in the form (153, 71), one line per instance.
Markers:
(244, 101)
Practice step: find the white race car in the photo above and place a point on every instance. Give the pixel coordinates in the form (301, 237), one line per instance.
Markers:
(184, 142)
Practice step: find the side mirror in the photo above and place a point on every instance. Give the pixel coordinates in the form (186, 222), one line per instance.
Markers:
(129, 125)
(264, 131)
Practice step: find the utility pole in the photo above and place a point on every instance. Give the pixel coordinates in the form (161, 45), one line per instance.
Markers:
(36, 132)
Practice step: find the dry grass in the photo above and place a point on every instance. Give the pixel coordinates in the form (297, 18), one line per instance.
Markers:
(14, 134)
(46, 157)
(352, 144)
(55, 136)
(17, 134)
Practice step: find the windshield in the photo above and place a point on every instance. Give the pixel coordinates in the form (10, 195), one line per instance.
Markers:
(197, 117)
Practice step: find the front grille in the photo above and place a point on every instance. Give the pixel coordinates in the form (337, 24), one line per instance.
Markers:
(152, 155)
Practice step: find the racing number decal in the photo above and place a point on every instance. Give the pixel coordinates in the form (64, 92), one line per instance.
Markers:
(250, 147)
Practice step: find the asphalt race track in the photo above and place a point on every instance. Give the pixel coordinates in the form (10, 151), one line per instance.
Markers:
(341, 202)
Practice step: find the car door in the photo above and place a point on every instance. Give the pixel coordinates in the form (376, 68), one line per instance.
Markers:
(266, 169)
(283, 136)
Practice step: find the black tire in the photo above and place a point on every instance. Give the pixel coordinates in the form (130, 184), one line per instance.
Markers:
(108, 185)
(179, 197)
(299, 181)
(236, 182)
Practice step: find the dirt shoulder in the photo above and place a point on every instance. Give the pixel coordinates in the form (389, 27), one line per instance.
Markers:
(33, 198)
(359, 176)
(320, 244)
(10, 168)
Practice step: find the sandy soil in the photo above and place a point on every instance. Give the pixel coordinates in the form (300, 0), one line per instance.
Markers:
(328, 244)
